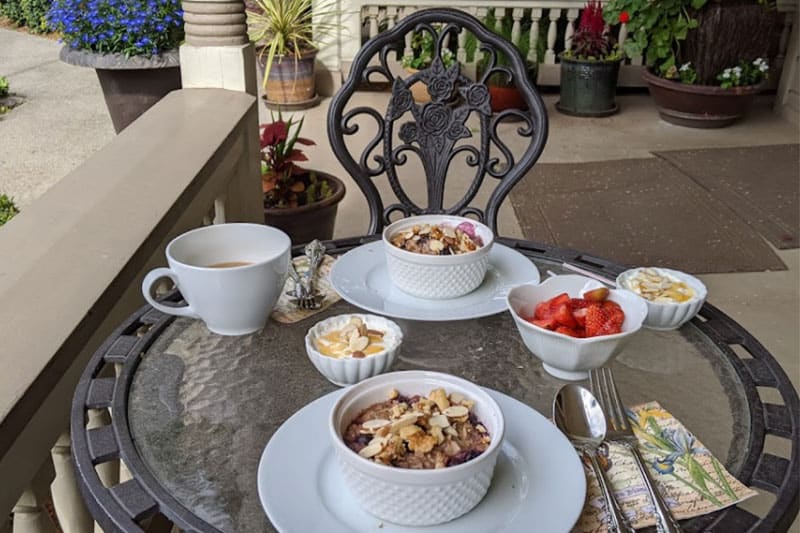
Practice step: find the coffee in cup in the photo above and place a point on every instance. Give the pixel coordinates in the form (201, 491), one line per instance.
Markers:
(230, 275)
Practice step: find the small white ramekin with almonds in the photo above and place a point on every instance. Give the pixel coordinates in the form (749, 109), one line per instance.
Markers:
(415, 497)
(662, 313)
(436, 277)
(345, 369)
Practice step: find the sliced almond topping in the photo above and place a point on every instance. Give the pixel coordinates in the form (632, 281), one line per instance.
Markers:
(439, 421)
(407, 419)
(436, 246)
(393, 394)
(456, 397)
(375, 423)
(355, 321)
(375, 333)
(373, 448)
(480, 428)
(456, 411)
(407, 431)
(440, 397)
(357, 344)
(358, 354)
(450, 431)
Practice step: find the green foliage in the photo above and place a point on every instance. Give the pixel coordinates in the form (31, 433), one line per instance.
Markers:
(286, 27)
(7, 209)
(687, 74)
(4, 86)
(12, 10)
(745, 73)
(35, 14)
(422, 47)
(655, 29)
(30, 13)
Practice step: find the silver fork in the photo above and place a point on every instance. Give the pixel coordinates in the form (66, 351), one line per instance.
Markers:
(619, 430)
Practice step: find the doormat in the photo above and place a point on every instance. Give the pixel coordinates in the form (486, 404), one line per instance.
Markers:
(638, 212)
(760, 183)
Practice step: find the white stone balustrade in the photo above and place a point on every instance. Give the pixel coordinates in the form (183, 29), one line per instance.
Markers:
(554, 21)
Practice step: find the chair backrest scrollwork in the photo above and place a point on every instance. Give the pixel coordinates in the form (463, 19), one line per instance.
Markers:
(457, 120)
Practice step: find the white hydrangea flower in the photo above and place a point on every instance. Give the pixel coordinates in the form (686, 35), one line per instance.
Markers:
(686, 66)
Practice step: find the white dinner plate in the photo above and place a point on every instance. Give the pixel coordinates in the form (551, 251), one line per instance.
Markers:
(361, 278)
(538, 484)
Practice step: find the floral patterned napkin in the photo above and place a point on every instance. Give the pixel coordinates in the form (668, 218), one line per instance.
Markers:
(286, 311)
(692, 480)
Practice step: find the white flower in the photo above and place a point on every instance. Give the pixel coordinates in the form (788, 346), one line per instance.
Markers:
(737, 71)
(686, 66)
(763, 68)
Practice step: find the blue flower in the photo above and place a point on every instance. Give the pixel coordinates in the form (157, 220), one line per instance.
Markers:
(664, 467)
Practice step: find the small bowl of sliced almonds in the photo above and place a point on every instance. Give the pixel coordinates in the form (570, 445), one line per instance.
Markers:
(673, 297)
(349, 348)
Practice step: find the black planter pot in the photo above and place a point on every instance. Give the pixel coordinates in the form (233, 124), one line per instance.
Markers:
(308, 222)
(132, 85)
(588, 88)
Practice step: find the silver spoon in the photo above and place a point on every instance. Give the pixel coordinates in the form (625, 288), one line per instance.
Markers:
(579, 416)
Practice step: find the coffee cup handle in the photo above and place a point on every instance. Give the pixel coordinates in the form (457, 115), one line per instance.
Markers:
(147, 284)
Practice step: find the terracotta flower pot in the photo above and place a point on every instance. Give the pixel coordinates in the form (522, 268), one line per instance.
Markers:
(419, 90)
(291, 80)
(699, 106)
(312, 221)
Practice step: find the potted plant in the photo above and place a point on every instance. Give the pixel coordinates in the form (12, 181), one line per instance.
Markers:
(423, 48)
(132, 46)
(284, 33)
(8, 209)
(299, 201)
(504, 92)
(687, 47)
(590, 67)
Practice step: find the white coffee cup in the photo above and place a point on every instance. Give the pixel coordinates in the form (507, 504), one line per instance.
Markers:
(230, 275)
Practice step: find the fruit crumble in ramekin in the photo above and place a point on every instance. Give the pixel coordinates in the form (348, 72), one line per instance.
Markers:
(418, 432)
(438, 239)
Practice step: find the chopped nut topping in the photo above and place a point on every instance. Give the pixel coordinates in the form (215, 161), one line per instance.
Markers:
(418, 432)
(438, 240)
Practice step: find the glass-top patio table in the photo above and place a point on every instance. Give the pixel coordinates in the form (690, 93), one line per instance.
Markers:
(193, 411)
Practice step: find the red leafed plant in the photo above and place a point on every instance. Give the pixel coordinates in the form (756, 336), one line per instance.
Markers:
(591, 40)
(284, 183)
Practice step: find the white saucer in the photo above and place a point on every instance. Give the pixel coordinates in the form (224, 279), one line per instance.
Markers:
(361, 278)
(538, 485)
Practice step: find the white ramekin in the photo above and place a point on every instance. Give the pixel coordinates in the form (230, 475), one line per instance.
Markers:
(667, 315)
(437, 276)
(566, 357)
(347, 371)
(415, 497)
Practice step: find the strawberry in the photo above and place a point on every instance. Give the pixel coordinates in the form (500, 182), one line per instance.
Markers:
(546, 323)
(563, 316)
(568, 331)
(542, 311)
(558, 301)
(596, 295)
(579, 303)
(595, 318)
(580, 316)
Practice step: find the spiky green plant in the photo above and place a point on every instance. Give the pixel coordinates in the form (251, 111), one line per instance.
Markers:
(7, 209)
(289, 27)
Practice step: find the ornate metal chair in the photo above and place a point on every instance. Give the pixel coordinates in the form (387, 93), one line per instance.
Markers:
(457, 120)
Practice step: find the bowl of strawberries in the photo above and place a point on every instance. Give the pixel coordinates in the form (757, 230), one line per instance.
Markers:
(573, 324)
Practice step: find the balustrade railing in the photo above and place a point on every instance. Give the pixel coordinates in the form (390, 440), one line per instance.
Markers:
(541, 29)
(72, 268)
